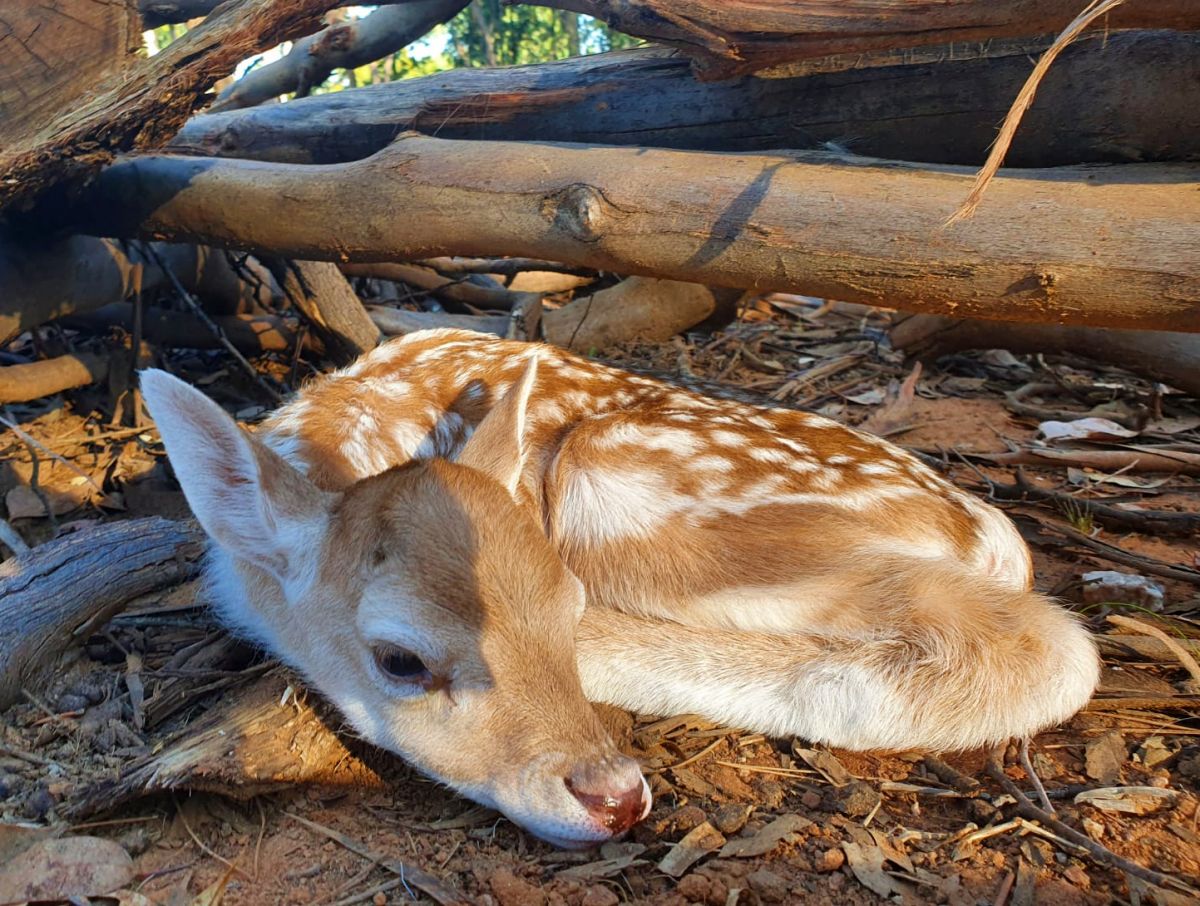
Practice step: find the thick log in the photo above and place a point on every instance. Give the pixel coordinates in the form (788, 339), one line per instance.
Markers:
(41, 280)
(940, 106)
(1173, 358)
(345, 45)
(54, 596)
(145, 105)
(327, 301)
(174, 12)
(637, 308)
(1111, 247)
(55, 53)
(251, 334)
(726, 37)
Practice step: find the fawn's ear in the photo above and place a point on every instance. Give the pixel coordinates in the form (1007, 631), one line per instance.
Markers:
(251, 501)
(497, 448)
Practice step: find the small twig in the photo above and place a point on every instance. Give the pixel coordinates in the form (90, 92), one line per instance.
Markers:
(1101, 854)
(12, 539)
(1145, 628)
(690, 759)
(187, 827)
(1125, 558)
(212, 325)
(1027, 764)
(1005, 888)
(1024, 100)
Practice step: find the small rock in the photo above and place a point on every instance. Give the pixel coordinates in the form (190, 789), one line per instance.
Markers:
(599, 896)
(730, 818)
(771, 794)
(71, 702)
(681, 820)
(857, 799)
(981, 811)
(1190, 767)
(1078, 877)
(695, 887)
(7, 785)
(1105, 756)
(510, 890)
(830, 860)
(768, 885)
(39, 803)
(1155, 752)
(380, 899)
(811, 799)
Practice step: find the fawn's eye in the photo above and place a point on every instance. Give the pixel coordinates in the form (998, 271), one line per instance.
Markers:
(398, 664)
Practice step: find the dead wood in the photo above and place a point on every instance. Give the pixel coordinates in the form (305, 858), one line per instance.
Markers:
(1130, 458)
(143, 106)
(1173, 358)
(174, 12)
(326, 299)
(637, 308)
(54, 596)
(257, 740)
(345, 45)
(1111, 247)
(939, 105)
(396, 322)
(21, 383)
(96, 40)
(251, 334)
(41, 280)
(448, 289)
(504, 267)
(728, 37)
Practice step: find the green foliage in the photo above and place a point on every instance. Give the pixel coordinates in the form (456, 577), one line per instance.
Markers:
(488, 33)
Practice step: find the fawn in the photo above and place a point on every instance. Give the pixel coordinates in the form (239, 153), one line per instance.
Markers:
(461, 540)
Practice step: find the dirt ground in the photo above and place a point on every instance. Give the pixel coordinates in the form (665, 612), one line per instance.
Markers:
(760, 820)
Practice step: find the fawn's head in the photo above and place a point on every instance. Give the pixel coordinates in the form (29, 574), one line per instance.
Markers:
(424, 602)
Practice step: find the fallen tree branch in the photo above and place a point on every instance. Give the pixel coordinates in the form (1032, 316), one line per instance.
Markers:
(251, 334)
(1173, 358)
(327, 301)
(345, 45)
(21, 383)
(730, 37)
(54, 596)
(1118, 253)
(939, 105)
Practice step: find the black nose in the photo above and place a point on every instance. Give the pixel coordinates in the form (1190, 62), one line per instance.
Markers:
(612, 791)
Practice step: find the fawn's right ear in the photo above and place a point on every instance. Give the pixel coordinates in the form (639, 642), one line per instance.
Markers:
(251, 501)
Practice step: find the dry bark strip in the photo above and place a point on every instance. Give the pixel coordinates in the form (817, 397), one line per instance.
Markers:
(257, 740)
(346, 45)
(145, 105)
(728, 37)
(54, 596)
(1106, 247)
(1173, 358)
(938, 105)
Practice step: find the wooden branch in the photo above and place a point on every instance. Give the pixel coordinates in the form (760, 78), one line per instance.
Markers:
(174, 12)
(45, 279)
(729, 37)
(327, 301)
(251, 334)
(53, 597)
(1173, 358)
(252, 743)
(637, 308)
(463, 292)
(345, 45)
(938, 105)
(144, 106)
(1112, 247)
(21, 383)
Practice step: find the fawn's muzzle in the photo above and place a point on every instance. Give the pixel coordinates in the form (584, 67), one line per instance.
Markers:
(613, 791)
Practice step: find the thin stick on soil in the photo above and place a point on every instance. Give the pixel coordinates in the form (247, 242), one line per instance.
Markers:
(1145, 628)
(203, 848)
(1102, 854)
(11, 539)
(1033, 777)
(1090, 14)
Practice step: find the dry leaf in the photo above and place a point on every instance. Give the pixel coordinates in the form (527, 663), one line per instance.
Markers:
(825, 763)
(766, 839)
(63, 868)
(867, 864)
(699, 842)
(1084, 429)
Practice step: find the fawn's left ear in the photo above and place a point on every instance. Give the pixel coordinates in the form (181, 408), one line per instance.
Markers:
(497, 448)
(249, 500)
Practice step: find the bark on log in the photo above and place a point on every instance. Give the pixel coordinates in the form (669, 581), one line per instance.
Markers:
(146, 105)
(322, 295)
(251, 334)
(1173, 358)
(21, 383)
(345, 45)
(54, 596)
(637, 308)
(55, 53)
(174, 12)
(41, 280)
(942, 107)
(1110, 247)
(726, 37)
(249, 745)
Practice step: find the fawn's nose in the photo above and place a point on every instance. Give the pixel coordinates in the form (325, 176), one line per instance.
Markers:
(613, 792)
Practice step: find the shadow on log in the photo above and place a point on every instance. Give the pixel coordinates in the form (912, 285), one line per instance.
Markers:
(939, 106)
(53, 597)
(1111, 246)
